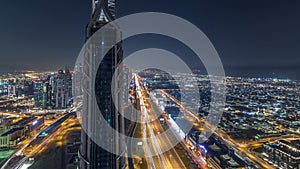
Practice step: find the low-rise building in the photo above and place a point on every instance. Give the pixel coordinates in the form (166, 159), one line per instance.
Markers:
(284, 154)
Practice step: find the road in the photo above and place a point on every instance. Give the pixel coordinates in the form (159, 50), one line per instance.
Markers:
(154, 145)
(172, 156)
(40, 146)
(243, 150)
(146, 146)
(54, 153)
(29, 142)
(197, 158)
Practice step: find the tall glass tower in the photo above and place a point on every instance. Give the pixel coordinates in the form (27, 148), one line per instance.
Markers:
(92, 156)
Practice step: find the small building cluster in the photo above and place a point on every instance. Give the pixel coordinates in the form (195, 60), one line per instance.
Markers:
(55, 91)
(13, 131)
(283, 154)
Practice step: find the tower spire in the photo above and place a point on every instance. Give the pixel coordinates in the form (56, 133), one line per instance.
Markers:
(103, 10)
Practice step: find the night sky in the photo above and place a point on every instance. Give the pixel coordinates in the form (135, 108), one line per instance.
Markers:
(256, 38)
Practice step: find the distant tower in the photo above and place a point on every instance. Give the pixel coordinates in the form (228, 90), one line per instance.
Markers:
(68, 84)
(11, 91)
(91, 155)
(52, 90)
(60, 90)
(40, 94)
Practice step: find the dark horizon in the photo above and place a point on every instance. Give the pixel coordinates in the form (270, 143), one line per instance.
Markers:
(253, 38)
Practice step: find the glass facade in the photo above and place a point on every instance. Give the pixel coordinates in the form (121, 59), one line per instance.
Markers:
(92, 155)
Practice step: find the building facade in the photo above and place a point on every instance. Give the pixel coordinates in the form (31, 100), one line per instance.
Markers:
(283, 154)
(93, 156)
(55, 91)
(40, 94)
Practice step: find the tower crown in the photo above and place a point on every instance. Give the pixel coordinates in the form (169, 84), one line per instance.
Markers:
(103, 10)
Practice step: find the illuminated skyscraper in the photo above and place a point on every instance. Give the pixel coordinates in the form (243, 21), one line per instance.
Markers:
(92, 156)
(68, 84)
(40, 94)
(61, 88)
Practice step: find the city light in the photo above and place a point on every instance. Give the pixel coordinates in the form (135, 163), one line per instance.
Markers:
(228, 96)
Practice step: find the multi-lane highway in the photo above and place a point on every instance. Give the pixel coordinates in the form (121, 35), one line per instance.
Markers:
(152, 144)
(172, 156)
(144, 121)
(36, 142)
(242, 148)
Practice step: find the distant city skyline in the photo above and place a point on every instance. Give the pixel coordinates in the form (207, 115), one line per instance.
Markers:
(253, 38)
(139, 95)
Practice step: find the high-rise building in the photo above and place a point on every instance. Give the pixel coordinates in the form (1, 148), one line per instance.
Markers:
(68, 84)
(52, 89)
(61, 88)
(92, 155)
(11, 91)
(127, 76)
(40, 94)
(3, 87)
